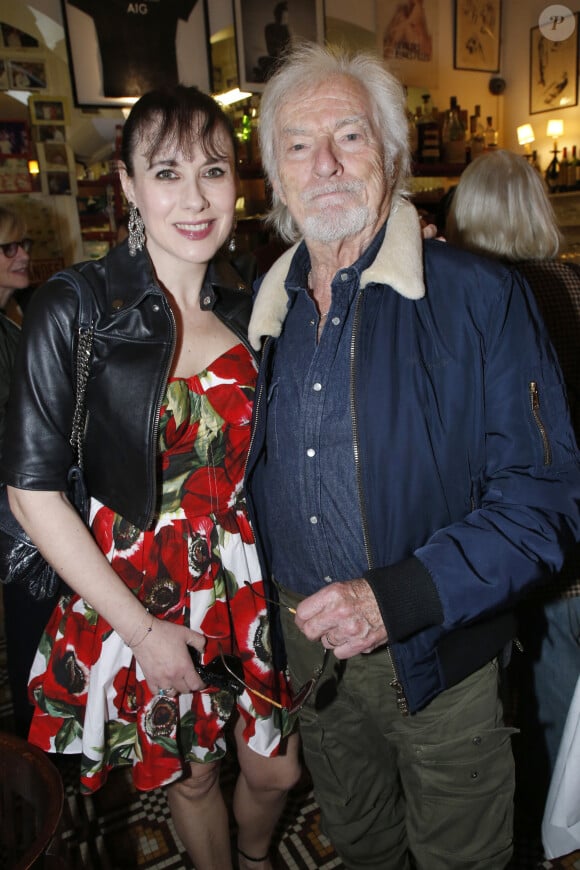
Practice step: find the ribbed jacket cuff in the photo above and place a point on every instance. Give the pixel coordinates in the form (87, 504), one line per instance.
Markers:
(407, 598)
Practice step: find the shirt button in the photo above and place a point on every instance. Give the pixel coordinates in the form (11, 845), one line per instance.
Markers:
(335, 321)
(317, 387)
(344, 276)
(313, 520)
(328, 579)
(311, 452)
(156, 307)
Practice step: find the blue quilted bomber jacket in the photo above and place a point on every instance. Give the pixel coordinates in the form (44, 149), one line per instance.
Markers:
(468, 468)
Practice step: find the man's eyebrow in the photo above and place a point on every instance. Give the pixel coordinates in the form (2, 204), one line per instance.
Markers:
(343, 122)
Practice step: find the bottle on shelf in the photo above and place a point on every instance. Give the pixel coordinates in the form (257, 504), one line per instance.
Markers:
(553, 172)
(477, 134)
(564, 167)
(574, 171)
(428, 145)
(490, 135)
(453, 135)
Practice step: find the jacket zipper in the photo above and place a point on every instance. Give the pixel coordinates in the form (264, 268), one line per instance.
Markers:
(395, 684)
(535, 406)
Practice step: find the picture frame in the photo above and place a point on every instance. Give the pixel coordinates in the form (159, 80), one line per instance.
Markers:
(13, 37)
(49, 133)
(26, 75)
(553, 71)
(477, 35)
(49, 111)
(14, 139)
(117, 53)
(408, 45)
(15, 177)
(264, 29)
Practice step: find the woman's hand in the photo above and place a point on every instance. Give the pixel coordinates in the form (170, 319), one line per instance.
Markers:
(164, 657)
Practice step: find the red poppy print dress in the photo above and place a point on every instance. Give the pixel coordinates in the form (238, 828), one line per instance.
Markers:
(193, 568)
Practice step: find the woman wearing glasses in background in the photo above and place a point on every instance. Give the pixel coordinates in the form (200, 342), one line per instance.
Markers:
(169, 564)
(14, 276)
(24, 620)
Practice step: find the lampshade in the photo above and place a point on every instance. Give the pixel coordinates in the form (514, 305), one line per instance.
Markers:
(233, 96)
(33, 167)
(525, 134)
(555, 129)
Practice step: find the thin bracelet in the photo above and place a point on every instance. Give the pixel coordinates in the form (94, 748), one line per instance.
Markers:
(131, 643)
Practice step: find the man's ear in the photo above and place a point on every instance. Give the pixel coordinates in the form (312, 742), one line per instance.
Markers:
(277, 188)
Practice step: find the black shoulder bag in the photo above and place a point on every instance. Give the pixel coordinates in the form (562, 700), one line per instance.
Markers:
(20, 560)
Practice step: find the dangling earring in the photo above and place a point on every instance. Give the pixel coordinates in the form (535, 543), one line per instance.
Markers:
(136, 229)
(232, 245)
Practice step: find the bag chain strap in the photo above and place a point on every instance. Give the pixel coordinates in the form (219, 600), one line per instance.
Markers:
(84, 350)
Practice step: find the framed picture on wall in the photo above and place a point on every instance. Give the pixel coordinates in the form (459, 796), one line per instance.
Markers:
(117, 52)
(49, 110)
(407, 39)
(477, 35)
(553, 71)
(14, 139)
(264, 29)
(25, 75)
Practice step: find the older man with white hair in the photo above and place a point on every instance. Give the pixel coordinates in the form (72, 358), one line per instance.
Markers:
(413, 470)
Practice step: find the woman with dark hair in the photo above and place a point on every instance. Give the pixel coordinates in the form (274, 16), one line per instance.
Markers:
(166, 586)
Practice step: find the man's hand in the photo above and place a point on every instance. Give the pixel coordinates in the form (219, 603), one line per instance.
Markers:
(344, 617)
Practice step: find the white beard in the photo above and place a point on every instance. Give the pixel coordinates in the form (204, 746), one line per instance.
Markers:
(336, 225)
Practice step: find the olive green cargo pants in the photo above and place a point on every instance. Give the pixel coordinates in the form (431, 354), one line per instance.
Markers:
(433, 791)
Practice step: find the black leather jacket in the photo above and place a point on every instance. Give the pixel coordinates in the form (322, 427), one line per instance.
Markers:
(134, 343)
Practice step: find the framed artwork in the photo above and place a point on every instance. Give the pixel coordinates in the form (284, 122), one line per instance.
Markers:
(25, 75)
(264, 29)
(49, 132)
(408, 35)
(117, 52)
(553, 71)
(15, 177)
(12, 37)
(477, 35)
(56, 183)
(14, 139)
(49, 111)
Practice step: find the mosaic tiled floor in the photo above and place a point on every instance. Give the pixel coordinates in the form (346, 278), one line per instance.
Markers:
(122, 829)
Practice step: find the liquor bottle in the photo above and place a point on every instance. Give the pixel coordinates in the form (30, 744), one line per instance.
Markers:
(429, 147)
(574, 181)
(490, 134)
(553, 172)
(564, 167)
(453, 135)
(477, 135)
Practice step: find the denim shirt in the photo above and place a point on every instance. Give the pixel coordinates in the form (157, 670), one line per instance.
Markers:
(308, 481)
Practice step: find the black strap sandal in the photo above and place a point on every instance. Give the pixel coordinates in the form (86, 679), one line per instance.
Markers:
(249, 857)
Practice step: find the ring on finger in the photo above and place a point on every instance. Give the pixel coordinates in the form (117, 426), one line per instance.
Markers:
(163, 693)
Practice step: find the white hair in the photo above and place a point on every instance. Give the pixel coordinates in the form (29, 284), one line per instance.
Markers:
(307, 65)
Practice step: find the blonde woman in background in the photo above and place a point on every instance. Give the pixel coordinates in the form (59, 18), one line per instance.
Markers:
(501, 209)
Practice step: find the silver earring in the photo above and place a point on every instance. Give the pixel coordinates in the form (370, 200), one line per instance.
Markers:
(232, 245)
(136, 229)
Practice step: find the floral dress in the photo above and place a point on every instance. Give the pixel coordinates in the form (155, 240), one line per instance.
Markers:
(197, 566)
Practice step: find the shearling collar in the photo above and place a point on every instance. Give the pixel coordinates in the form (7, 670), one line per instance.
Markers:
(399, 264)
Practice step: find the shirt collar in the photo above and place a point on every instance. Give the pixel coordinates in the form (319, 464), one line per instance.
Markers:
(394, 259)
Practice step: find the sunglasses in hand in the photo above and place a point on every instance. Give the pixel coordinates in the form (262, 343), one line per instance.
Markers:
(226, 671)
